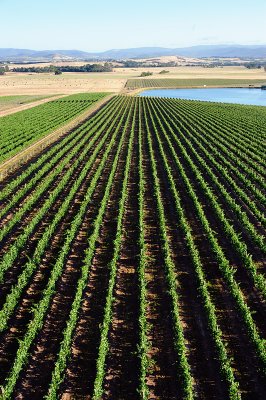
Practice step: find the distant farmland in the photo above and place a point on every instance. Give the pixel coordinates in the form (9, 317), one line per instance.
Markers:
(175, 83)
(132, 252)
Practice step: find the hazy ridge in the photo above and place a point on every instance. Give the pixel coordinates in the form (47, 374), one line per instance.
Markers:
(242, 51)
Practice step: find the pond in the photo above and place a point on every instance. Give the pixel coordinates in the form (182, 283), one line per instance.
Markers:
(255, 97)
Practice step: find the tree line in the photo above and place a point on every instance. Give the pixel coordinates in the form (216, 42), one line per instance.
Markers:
(106, 67)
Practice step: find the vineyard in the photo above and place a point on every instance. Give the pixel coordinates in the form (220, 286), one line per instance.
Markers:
(132, 253)
(20, 130)
(9, 102)
(176, 83)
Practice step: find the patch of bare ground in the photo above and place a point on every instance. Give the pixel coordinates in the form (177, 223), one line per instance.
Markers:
(244, 360)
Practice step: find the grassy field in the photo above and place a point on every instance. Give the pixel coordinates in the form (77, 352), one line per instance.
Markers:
(45, 84)
(132, 257)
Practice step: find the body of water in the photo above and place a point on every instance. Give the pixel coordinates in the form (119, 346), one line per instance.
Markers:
(255, 97)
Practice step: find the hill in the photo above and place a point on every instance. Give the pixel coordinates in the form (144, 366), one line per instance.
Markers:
(26, 55)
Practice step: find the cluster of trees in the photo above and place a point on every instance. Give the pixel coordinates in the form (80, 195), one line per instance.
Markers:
(3, 69)
(256, 65)
(141, 64)
(145, 74)
(106, 67)
(50, 68)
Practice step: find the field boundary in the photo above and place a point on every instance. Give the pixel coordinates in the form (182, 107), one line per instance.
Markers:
(26, 154)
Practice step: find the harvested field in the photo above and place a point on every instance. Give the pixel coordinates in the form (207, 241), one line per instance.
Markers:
(67, 83)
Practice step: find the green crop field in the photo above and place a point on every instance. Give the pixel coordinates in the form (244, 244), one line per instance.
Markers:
(7, 102)
(176, 83)
(19, 130)
(132, 252)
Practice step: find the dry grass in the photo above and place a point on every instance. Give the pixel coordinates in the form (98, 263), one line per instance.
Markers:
(198, 73)
(67, 83)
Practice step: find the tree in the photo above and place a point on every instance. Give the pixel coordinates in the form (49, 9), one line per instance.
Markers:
(145, 74)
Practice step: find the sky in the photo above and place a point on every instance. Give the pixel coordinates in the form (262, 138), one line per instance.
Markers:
(114, 24)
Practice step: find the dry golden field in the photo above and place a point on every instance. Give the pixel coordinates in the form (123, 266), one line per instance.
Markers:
(67, 83)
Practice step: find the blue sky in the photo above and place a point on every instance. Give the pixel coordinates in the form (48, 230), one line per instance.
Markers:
(101, 25)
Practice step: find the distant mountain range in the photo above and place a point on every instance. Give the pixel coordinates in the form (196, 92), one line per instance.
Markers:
(194, 51)
(241, 51)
